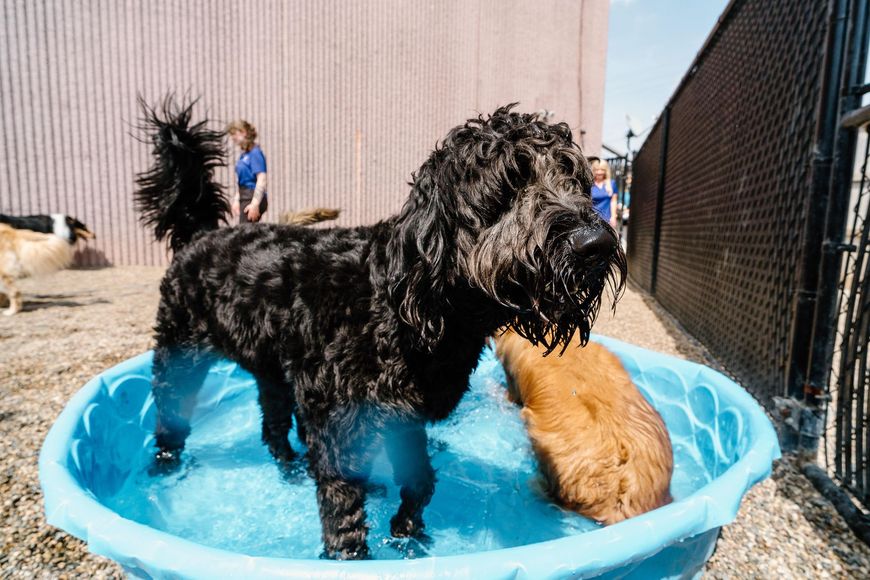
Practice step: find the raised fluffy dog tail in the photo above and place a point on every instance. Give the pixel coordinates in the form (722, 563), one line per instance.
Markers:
(178, 196)
(308, 216)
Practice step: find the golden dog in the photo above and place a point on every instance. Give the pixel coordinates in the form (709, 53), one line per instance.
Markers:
(603, 450)
(25, 253)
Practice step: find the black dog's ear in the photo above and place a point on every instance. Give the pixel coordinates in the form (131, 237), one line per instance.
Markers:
(421, 260)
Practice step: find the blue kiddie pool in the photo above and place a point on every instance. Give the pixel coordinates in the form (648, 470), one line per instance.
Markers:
(229, 512)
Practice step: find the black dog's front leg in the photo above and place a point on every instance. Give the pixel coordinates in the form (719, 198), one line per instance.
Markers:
(277, 405)
(412, 470)
(339, 459)
(178, 377)
(343, 517)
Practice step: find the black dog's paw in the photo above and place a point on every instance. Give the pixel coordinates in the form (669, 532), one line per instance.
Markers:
(360, 553)
(402, 526)
(282, 452)
(411, 548)
(166, 461)
(293, 471)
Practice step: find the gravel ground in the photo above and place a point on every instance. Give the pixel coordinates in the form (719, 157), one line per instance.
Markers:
(78, 322)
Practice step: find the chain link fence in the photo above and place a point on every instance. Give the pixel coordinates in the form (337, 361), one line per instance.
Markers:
(720, 187)
(743, 227)
(847, 435)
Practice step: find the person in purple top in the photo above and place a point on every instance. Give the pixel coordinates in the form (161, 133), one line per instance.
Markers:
(603, 195)
(250, 200)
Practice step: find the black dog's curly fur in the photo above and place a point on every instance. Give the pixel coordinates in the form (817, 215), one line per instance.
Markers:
(368, 333)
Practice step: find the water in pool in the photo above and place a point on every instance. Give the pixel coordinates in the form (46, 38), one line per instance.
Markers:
(230, 495)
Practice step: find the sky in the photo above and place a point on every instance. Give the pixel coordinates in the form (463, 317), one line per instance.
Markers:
(651, 44)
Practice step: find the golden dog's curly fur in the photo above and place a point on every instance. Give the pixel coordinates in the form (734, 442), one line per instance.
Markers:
(603, 450)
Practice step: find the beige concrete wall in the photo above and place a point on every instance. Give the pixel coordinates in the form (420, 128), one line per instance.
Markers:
(348, 97)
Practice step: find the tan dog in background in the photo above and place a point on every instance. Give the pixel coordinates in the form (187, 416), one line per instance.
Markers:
(603, 450)
(24, 253)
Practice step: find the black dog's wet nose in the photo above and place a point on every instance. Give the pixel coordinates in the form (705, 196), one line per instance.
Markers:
(592, 242)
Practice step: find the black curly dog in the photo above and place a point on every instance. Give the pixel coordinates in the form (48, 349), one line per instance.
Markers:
(368, 333)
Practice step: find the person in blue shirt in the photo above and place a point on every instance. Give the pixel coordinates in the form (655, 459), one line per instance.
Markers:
(603, 195)
(250, 200)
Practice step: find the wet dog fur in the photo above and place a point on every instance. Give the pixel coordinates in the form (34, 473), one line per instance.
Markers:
(602, 449)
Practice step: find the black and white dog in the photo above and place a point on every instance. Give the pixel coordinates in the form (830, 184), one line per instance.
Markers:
(63, 226)
(368, 333)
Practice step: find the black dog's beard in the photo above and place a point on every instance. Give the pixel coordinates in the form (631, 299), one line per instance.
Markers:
(549, 292)
(569, 301)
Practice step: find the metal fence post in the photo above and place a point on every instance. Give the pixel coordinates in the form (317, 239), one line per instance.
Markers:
(825, 320)
(814, 236)
(660, 199)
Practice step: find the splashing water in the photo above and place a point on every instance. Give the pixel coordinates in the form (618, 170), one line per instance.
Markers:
(231, 495)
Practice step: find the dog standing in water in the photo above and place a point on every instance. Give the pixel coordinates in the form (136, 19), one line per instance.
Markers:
(366, 334)
(603, 450)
